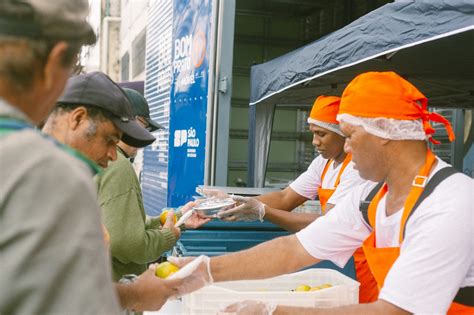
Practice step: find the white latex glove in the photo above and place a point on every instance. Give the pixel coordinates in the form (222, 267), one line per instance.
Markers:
(248, 209)
(195, 272)
(249, 308)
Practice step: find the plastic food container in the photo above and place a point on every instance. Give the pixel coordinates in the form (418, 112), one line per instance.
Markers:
(278, 290)
(210, 207)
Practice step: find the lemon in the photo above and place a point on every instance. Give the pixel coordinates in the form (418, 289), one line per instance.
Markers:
(326, 285)
(165, 269)
(163, 215)
(302, 288)
(315, 288)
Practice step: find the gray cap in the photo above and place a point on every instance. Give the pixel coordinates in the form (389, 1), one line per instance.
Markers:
(47, 19)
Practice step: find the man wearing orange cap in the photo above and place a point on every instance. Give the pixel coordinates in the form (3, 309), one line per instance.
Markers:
(415, 226)
(331, 169)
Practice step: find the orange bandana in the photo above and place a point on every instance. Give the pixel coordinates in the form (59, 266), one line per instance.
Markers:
(325, 109)
(387, 95)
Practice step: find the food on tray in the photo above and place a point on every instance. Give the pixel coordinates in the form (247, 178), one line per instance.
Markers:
(305, 288)
(165, 269)
(302, 288)
(211, 206)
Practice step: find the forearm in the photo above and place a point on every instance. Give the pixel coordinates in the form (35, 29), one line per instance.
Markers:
(147, 292)
(127, 294)
(141, 246)
(263, 261)
(290, 221)
(130, 239)
(378, 307)
(286, 199)
(274, 199)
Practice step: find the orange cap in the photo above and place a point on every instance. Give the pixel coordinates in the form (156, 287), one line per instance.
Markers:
(386, 94)
(325, 109)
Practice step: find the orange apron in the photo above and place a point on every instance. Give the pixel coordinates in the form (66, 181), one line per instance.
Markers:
(380, 260)
(368, 291)
(325, 193)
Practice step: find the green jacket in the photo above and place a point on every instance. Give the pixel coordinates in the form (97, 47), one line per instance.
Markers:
(134, 241)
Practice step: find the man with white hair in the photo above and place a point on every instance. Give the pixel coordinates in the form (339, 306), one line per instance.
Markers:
(416, 226)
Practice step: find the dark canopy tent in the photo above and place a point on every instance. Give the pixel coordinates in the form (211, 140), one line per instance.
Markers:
(430, 43)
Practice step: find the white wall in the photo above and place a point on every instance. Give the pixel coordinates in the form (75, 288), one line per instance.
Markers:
(109, 36)
(134, 21)
(91, 54)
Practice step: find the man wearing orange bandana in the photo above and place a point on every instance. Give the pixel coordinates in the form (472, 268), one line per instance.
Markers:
(415, 226)
(330, 177)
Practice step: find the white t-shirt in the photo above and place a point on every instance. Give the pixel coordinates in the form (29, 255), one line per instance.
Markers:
(308, 183)
(436, 256)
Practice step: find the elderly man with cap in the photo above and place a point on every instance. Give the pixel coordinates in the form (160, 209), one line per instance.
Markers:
(330, 177)
(415, 227)
(135, 239)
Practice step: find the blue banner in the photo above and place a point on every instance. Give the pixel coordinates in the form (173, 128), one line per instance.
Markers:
(188, 99)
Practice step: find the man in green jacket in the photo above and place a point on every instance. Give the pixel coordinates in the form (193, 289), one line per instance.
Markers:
(135, 239)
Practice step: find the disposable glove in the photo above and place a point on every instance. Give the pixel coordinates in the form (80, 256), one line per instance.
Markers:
(249, 209)
(249, 308)
(195, 272)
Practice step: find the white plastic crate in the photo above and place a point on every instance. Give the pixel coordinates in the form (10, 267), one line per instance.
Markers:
(278, 290)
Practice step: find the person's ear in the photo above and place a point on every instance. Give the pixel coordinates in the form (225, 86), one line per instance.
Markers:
(77, 117)
(54, 64)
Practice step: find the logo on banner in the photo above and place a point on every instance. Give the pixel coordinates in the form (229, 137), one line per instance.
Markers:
(199, 49)
(189, 54)
(188, 137)
(180, 138)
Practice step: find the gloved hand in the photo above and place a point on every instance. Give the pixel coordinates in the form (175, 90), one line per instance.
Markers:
(248, 209)
(219, 194)
(195, 272)
(249, 308)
